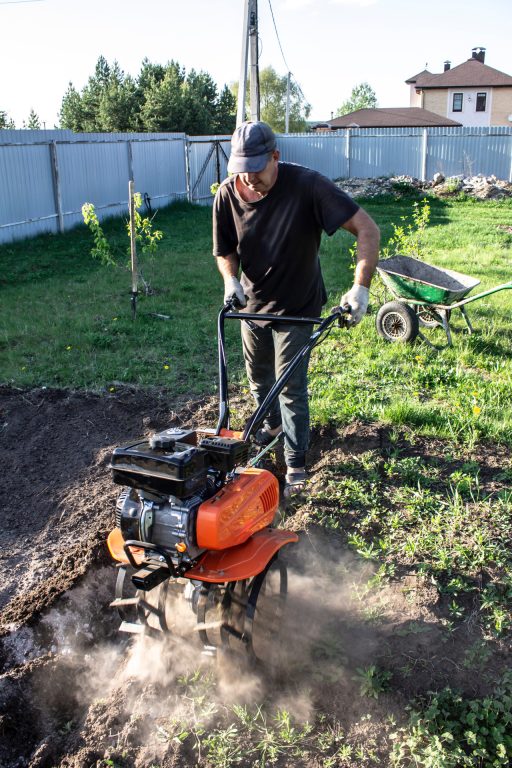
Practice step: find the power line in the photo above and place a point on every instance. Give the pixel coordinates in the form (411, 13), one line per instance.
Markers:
(282, 53)
(277, 35)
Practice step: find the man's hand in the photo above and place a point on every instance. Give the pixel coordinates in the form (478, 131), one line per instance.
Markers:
(233, 291)
(356, 301)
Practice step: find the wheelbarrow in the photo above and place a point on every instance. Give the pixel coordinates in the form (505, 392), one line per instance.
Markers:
(424, 296)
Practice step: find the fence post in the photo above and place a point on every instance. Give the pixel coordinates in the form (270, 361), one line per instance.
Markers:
(187, 169)
(129, 150)
(424, 147)
(56, 184)
(347, 151)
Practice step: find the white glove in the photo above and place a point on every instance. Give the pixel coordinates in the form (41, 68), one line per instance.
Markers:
(356, 301)
(233, 291)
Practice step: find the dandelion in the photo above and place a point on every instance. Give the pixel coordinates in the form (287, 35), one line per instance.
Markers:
(69, 347)
(475, 394)
(476, 410)
(23, 367)
(114, 319)
(111, 389)
(166, 367)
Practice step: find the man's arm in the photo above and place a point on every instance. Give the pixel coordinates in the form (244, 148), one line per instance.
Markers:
(228, 267)
(367, 234)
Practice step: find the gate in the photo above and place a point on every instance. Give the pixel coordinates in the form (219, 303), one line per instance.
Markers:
(207, 163)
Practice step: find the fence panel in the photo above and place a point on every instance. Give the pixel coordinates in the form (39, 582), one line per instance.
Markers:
(27, 203)
(381, 152)
(159, 169)
(325, 153)
(93, 173)
(470, 151)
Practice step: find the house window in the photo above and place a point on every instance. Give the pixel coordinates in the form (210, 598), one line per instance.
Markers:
(481, 99)
(457, 102)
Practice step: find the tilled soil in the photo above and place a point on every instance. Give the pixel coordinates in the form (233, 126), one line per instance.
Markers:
(75, 693)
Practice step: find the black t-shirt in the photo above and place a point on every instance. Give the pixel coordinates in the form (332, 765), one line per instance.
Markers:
(277, 238)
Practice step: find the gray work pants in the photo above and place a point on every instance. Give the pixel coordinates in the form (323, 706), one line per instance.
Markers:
(267, 352)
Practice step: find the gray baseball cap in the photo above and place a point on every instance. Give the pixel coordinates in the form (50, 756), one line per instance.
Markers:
(251, 145)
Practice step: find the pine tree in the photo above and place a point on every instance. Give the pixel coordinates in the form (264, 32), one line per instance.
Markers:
(33, 122)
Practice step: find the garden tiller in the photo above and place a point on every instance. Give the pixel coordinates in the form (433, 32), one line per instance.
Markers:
(195, 517)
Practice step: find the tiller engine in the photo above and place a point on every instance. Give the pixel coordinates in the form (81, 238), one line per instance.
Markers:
(196, 514)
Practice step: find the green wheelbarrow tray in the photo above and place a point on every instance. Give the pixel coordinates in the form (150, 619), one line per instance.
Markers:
(410, 278)
(432, 291)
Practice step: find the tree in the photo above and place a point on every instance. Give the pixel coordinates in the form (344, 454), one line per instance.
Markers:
(163, 108)
(33, 121)
(362, 97)
(161, 98)
(72, 110)
(6, 121)
(225, 116)
(273, 89)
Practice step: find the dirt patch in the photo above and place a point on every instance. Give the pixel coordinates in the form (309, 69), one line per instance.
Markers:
(73, 692)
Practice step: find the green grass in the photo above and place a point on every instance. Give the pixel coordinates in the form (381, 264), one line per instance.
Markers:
(66, 321)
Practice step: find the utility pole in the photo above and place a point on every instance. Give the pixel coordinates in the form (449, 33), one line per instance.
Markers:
(287, 114)
(249, 45)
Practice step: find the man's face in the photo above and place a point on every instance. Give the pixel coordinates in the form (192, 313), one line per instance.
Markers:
(264, 180)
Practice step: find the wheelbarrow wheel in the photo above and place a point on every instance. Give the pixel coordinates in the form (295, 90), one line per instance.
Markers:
(429, 318)
(397, 322)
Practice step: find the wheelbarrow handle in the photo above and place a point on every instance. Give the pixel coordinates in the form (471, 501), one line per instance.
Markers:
(502, 287)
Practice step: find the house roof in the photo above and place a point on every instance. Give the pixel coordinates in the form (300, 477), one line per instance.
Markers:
(415, 78)
(393, 117)
(472, 73)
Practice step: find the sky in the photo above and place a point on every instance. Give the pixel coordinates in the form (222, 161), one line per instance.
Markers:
(329, 46)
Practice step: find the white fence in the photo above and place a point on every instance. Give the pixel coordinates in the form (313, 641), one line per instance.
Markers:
(46, 176)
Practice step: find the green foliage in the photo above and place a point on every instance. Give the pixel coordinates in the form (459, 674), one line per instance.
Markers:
(101, 249)
(372, 681)
(452, 732)
(146, 238)
(33, 121)
(273, 88)
(362, 97)
(409, 238)
(161, 98)
(5, 120)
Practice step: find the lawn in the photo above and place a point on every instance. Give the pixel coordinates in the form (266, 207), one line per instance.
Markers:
(67, 322)
(409, 514)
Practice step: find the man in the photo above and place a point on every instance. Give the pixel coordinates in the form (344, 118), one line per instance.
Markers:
(268, 218)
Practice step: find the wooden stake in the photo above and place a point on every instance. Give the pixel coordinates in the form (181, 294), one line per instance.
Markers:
(133, 247)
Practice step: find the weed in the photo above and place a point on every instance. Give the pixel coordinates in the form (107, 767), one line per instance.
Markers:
(372, 681)
(452, 731)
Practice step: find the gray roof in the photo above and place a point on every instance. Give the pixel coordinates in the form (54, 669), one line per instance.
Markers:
(392, 117)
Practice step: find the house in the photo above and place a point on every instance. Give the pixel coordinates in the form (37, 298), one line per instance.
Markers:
(472, 93)
(393, 117)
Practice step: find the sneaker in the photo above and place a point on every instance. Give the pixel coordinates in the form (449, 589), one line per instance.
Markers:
(264, 436)
(295, 483)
